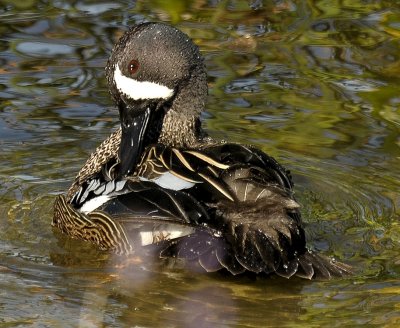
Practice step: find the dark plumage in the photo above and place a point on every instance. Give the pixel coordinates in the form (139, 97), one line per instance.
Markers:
(160, 182)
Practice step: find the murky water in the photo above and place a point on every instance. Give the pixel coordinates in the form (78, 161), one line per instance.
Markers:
(314, 83)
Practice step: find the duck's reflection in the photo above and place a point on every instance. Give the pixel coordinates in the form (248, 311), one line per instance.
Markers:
(143, 291)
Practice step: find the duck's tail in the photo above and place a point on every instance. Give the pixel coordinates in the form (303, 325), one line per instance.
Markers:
(310, 265)
(213, 253)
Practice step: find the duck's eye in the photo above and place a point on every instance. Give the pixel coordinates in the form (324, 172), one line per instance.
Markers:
(133, 66)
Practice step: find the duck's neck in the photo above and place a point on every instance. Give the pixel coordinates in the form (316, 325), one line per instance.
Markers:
(181, 125)
(181, 132)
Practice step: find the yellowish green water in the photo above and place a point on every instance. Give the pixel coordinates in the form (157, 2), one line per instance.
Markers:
(314, 83)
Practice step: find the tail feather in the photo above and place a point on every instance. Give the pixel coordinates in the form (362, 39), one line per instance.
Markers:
(255, 255)
(288, 270)
(305, 269)
(229, 262)
(209, 261)
(267, 253)
(246, 254)
(317, 266)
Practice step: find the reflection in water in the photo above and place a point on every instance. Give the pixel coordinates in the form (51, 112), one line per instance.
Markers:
(314, 83)
(176, 298)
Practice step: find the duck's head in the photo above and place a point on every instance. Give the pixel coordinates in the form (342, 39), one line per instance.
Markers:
(157, 78)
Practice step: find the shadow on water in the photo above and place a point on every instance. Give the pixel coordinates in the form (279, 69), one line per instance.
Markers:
(313, 83)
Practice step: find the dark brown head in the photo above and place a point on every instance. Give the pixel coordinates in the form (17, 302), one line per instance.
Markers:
(154, 69)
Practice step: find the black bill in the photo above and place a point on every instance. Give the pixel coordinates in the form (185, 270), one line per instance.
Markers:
(134, 124)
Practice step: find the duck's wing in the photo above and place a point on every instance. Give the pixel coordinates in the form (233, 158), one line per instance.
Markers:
(222, 206)
(252, 204)
(206, 165)
(124, 215)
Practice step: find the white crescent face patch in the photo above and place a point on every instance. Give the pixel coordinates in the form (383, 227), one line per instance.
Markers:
(136, 90)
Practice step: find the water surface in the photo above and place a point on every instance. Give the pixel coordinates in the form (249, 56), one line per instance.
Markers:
(313, 83)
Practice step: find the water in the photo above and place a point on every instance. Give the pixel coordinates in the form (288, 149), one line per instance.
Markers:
(313, 83)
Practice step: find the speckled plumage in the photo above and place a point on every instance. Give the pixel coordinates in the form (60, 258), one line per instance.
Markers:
(107, 151)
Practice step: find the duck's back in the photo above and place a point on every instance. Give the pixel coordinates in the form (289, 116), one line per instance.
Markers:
(249, 200)
(220, 205)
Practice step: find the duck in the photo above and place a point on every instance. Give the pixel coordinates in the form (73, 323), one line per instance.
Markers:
(160, 182)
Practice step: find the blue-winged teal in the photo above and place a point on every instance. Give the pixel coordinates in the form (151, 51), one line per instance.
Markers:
(161, 182)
